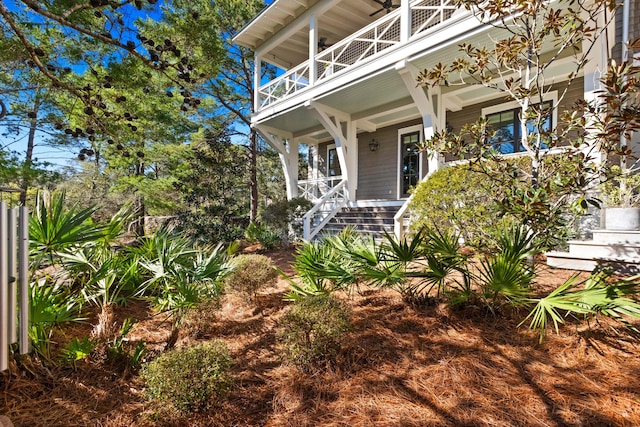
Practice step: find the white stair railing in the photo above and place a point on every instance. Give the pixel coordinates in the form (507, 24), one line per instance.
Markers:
(314, 189)
(401, 219)
(326, 208)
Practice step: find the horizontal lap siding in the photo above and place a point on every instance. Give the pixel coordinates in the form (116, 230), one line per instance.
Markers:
(470, 114)
(378, 170)
(634, 28)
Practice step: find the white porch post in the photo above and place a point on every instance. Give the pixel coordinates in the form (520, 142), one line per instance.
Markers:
(405, 21)
(595, 66)
(288, 153)
(313, 48)
(432, 115)
(343, 130)
(257, 70)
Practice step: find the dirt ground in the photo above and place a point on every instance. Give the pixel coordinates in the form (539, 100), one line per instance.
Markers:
(401, 366)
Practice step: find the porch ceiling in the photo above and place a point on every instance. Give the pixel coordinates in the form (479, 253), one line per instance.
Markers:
(339, 21)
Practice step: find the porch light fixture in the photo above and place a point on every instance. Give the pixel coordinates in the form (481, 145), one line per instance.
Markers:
(373, 145)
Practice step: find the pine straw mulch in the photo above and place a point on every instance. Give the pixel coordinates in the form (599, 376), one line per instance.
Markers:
(401, 366)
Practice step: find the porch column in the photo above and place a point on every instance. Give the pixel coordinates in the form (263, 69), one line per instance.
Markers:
(594, 68)
(343, 130)
(432, 112)
(405, 21)
(313, 48)
(257, 72)
(287, 149)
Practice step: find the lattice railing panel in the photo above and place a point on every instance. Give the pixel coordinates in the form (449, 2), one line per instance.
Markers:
(362, 45)
(285, 85)
(371, 40)
(429, 13)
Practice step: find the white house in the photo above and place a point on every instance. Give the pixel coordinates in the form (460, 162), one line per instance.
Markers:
(346, 87)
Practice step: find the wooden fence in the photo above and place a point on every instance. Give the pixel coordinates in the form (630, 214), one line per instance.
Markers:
(14, 283)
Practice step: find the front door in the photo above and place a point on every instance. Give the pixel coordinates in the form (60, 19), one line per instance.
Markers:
(409, 162)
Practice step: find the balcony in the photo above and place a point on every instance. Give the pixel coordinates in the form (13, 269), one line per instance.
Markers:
(360, 47)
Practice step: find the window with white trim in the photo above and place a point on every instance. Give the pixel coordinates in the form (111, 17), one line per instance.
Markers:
(504, 119)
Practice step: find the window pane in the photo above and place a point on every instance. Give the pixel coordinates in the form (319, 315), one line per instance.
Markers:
(546, 124)
(504, 124)
(333, 163)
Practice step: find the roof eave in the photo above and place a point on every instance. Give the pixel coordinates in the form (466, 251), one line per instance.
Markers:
(238, 38)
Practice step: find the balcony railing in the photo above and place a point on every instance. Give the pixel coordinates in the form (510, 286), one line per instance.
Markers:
(358, 47)
(379, 36)
(285, 85)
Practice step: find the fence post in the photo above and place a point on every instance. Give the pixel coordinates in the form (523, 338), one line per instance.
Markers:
(12, 231)
(23, 278)
(4, 289)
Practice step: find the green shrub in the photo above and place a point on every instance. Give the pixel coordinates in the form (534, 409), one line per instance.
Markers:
(268, 238)
(190, 378)
(285, 217)
(250, 273)
(313, 330)
(456, 199)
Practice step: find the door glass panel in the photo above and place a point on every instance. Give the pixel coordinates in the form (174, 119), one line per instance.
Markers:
(409, 162)
(333, 164)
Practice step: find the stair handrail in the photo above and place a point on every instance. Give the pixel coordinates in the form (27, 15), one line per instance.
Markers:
(332, 196)
(398, 218)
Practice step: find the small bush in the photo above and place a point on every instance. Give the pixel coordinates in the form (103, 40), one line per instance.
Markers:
(199, 321)
(267, 238)
(190, 378)
(313, 330)
(456, 199)
(285, 217)
(250, 273)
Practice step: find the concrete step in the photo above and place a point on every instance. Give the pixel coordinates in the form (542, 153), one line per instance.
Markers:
(359, 227)
(361, 220)
(376, 209)
(596, 249)
(566, 260)
(615, 236)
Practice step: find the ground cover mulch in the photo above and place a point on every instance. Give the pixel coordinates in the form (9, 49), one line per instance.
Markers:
(401, 366)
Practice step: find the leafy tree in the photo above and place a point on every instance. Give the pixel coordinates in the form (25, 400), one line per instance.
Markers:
(542, 192)
(214, 189)
(120, 85)
(232, 86)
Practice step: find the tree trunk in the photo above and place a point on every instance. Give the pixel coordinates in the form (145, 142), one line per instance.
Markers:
(253, 175)
(139, 207)
(26, 168)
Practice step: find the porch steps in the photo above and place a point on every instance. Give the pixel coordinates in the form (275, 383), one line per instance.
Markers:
(617, 249)
(373, 221)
